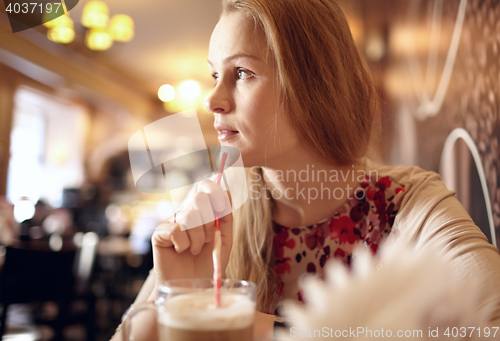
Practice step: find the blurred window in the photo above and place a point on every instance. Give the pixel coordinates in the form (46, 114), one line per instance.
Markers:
(46, 147)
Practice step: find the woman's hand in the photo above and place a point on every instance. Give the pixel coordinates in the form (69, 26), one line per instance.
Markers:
(184, 249)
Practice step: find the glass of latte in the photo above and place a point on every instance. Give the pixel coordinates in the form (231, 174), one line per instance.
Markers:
(186, 311)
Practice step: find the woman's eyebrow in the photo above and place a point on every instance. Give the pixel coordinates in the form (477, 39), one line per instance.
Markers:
(238, 55)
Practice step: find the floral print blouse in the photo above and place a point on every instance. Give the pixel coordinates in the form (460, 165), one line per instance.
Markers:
(368, 220)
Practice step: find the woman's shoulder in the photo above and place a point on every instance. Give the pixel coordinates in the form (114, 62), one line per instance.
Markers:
(416, 180)
(403, 174)
(427, 205)
(423, 189)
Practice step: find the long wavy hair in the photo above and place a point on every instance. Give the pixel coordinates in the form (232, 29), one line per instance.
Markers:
(328, 95)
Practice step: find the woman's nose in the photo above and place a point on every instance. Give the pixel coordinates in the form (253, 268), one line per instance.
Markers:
(218, 102)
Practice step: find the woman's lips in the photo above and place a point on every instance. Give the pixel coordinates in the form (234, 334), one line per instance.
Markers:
(225, 135)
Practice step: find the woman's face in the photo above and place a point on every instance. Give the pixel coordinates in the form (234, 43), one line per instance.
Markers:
(245, 99)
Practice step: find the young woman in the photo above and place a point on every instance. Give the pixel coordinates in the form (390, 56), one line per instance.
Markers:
(294, 96)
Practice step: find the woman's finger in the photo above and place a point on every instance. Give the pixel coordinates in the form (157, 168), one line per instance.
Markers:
(194, 224)
(202, 203)
(189, 218)
(168, 235)
(161, 235)
(197, 239)
(215, 194)
(180, 240)
(191, 223)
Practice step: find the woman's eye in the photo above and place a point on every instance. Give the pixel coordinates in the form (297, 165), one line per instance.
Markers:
(242, 74)
(216, 78)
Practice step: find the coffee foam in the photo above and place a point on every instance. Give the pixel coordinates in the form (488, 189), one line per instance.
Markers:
(197, 312)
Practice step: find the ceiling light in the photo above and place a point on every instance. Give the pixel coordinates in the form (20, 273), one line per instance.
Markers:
(122, 28)
(95, 14)
(95, 17)
(61, 30)
(61, 35)
(98, 39)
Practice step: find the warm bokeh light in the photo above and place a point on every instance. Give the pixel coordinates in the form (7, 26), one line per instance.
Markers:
(182, 103)
(166, 93)
(61, 30)
(122, 28)
(375, 48)
(98, 39)
(189, 89)
(61, 35)
(95, 15)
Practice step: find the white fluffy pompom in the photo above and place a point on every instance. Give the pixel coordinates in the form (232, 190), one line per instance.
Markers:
(407, 292)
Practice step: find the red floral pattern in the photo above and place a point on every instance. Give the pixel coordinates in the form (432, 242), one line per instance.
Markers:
(367, 220)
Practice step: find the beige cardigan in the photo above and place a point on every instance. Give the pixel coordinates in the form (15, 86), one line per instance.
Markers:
(431, 216)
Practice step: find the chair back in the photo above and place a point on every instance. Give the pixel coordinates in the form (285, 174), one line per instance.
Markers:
(36, 275)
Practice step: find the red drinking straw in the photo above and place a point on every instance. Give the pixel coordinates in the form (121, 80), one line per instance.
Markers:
(217, 241)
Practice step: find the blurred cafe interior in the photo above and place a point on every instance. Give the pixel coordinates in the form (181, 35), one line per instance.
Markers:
(74, 229)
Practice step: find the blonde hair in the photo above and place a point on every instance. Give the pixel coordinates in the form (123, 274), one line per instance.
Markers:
(328, 96)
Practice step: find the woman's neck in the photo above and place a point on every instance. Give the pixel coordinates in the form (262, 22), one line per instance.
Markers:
(308, 191)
